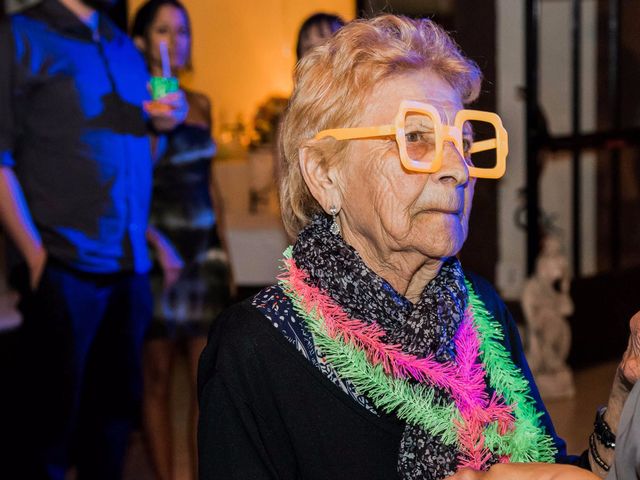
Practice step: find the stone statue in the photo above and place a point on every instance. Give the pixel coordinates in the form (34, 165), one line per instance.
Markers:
(546, 304)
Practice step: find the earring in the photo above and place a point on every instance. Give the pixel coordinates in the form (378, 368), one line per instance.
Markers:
(335, 228)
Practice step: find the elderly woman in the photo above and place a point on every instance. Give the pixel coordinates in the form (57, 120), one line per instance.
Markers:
(376, 356)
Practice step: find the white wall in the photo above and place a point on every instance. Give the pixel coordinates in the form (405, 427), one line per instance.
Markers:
(555, 97)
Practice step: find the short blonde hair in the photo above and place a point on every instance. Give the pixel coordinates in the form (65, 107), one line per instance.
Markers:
(333, 82)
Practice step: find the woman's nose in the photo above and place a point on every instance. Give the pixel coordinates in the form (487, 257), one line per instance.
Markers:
(454, 167)
(171, 40)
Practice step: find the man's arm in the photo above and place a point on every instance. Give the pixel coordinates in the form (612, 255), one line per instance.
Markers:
(14, 213)
(627, 374)
(16, 219)
(168, 257)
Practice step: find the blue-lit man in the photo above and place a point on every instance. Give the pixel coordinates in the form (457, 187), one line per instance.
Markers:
(75, 183)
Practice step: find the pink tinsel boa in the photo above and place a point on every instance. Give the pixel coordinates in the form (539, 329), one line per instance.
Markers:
(463, 377)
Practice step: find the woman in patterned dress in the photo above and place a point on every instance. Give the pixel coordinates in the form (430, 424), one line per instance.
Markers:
(191, 278)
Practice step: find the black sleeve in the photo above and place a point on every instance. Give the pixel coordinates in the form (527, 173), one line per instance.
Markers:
(234, 440)
(513, 344)
(7, 115)
(229, 443)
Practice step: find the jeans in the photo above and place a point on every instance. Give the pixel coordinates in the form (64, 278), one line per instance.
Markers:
(80, 373)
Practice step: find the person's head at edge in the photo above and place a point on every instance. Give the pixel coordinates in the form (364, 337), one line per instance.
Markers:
(404, 224)
(315, 30)
(168, 21)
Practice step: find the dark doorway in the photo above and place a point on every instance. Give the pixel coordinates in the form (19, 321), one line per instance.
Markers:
(442, 11)
(618, 169)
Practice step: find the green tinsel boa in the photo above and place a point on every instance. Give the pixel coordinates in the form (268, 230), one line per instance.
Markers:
(415, 403)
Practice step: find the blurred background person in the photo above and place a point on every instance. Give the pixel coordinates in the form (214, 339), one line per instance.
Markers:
(75, 187)
(315, 30)
(191, 285)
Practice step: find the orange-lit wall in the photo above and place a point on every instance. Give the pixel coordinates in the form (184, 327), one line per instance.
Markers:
(244, 50)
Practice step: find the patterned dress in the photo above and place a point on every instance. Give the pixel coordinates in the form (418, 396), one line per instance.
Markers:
(182, 210)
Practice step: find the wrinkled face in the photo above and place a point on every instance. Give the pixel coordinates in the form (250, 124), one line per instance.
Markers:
(171, 26)
(391, 209)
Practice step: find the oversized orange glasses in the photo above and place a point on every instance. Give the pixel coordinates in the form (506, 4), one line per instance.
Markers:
(421, 134)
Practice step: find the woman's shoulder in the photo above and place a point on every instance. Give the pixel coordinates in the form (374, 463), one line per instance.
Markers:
(239, 340)
(487, 293)
(199, 108)
(238, 325)
(499, 313)
(245, 332)
(480, 284)
(250, 349)
(198, 100)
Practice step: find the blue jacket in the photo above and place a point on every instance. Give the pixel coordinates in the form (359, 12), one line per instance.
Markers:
(73, 130)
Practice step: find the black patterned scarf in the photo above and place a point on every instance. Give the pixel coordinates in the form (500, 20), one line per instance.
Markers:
(426, 327)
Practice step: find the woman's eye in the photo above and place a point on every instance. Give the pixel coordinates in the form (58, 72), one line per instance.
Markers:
(413, 137)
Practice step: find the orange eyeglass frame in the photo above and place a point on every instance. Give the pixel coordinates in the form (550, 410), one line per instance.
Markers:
(443, 133)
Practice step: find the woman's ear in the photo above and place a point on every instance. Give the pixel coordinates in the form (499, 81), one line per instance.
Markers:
(140, 44)
(320, 179)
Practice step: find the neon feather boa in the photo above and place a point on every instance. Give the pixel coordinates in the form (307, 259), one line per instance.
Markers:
(505, 424)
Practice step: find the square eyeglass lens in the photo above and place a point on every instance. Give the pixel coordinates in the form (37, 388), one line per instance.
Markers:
(420, 137)
(482, 131)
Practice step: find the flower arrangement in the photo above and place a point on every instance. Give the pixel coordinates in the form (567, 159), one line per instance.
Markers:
(267, 120)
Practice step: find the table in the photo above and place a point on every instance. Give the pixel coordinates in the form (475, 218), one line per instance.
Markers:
(255, 240)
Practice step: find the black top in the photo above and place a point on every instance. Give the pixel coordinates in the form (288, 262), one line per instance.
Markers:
(182, 207)
(73, 130)
(267, 413)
